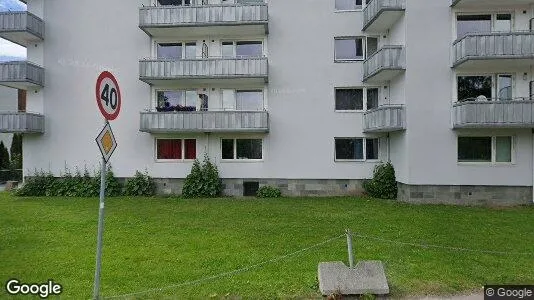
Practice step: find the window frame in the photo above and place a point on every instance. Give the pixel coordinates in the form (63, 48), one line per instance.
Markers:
(494, 83)
(364, 149)
(234, 47)
(349, 60)
(234, 159)
(493, 161)
(184, 91)
(364, 89)
(183, 159)
(364, 5)
(493, 15)
(182, 45)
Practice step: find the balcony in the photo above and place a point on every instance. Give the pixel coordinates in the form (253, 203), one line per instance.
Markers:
(205, 121)
(380, 15)
(494, 50)
(487, 3)
(385, 64)
(21, 122)
(386, 118)
(21, 75)
(204, 70)
(205, 20)
(21, 27)
(517, 113)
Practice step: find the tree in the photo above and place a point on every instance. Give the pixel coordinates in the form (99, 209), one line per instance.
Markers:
(4, 157)
(16, 151)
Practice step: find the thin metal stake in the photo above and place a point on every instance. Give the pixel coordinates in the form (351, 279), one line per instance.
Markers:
(96, 291)
(349, 247)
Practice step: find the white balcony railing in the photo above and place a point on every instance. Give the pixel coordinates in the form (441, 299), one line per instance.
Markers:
(517, 113)
(21, 72)
(385, 118)
(216, 68)
(21, 122)
(205, 121)
(497, 45)
(224, 14)
(21, 21)
(388, 58)
(376, 9)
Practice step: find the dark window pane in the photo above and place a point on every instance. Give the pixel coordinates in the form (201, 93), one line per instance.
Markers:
(249, 149)
(249, 100)
(372, 46)
(474, 149)
(349, 99)
(250, 188)
(503, 149)
(227, 149)
(349, 149)
(190, 149)
(248, 49)
(349, 48)
(170, 51)
(472, 23)
(471, 87)
(371, 148)
(372, 98)
(169, 149)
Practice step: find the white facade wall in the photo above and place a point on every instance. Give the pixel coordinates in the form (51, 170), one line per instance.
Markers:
(84, 38)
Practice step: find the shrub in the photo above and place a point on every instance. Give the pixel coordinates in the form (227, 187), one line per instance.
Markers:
(268, 192)
(203, 181)
(4, 156)
(40, 184)
(140, 185)
(383, 184)
(113, 186)
(16, 161)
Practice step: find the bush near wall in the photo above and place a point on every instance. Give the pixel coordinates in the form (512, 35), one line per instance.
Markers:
(383, 185)
(268, 192)
(140, 185)
(203, 181)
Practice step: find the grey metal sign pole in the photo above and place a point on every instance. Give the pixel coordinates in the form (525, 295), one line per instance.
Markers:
(96, 291)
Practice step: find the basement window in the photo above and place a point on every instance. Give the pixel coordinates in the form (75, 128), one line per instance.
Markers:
(250, 188)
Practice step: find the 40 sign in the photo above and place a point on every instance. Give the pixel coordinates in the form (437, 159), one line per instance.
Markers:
(108, 95)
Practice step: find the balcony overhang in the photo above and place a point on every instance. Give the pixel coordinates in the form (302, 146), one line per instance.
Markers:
(493, 114)
(205, 20)
(380, 15)
(205, 71)
(384, 65)
(21, 75)
(493, 50)
(386, 118)
(22, 28)
(21, 122)
(205, 121)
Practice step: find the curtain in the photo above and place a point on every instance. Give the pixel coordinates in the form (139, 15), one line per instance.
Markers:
(169, 149)
(190, 149)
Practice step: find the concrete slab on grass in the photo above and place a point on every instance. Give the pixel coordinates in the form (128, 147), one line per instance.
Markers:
(367, 277)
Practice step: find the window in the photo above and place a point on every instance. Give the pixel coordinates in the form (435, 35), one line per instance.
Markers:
(171, 149)
(170, 51)
(485, 149)
(481, 87)
(249, 49)
(356, 149)
(175, 2)
(356, 99)
(350, 4)
(176, 50)
(483, 23)
(170, 100)
(473, 87)
(249, 100)
(349, 99)
(348, 48)
(372, 45)
(227, 49)
(241, 149)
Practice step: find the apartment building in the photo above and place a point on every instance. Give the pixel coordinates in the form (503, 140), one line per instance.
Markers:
(306, 95)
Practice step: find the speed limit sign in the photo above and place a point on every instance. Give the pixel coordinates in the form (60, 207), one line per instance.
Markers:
(108, 95)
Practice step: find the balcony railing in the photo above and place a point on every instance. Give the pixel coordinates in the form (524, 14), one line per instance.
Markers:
(21, 27)
(203, 68)
(380, 15)
(516, 113)
(386, 118)
(205, 121)
(491, 46)
(204, 15)
(384, 64)
(478, 3)
(21, 122)
(21, 74)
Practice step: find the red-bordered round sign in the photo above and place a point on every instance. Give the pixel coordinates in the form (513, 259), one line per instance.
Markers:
(108, 95)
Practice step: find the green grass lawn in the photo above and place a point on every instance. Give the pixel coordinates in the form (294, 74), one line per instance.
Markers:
(156, 242)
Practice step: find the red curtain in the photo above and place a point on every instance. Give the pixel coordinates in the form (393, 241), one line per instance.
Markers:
(190, 149)
(169, 149)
